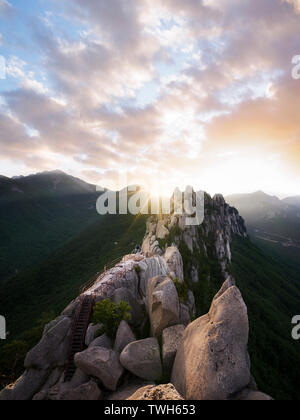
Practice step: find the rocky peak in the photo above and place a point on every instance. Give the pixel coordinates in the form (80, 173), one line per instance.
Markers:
(212, 238)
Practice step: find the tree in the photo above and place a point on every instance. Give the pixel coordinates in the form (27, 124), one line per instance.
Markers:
(110, 315)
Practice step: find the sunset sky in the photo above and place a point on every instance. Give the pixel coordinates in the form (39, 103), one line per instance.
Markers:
(183, 92)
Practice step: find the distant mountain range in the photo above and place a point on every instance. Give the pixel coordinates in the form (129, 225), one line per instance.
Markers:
(274, 224)
(52, 241)
(38, 214)
(47, 184)
(293, 201)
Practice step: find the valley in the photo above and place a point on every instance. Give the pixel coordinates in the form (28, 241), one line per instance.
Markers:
(265, 265)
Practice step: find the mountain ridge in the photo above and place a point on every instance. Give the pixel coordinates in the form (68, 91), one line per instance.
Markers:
(38, 214)
(209, 253)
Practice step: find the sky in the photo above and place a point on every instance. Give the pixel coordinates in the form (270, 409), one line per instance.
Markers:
(163, 92)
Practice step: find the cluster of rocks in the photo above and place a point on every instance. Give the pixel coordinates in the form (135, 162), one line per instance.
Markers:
(203, 360)
(107, 367)
(220, 223)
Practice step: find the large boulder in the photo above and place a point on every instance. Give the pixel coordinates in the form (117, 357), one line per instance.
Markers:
(124, 337)
(91, 333)
(191, 302)
(171, 339)
(101, 363)
(122, 275)
(163, 304)
(161, 230)
(52, 350)
(125, 295)
(102, 341)
(142, 359)
(174, 260)
(26, 386)
(126, 391)
(85, 392)
(252, 395)
(149, 268)
(184, 317)
(72, 308)
(55, 377)
(79, 378)
(156, 393)
(212, 362)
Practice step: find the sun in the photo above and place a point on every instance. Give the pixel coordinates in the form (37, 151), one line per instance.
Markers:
(159, 190)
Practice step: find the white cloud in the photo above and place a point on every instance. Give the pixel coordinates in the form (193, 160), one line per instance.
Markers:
(295, 3)
(5, 7)
(84, 113)
(17, 69)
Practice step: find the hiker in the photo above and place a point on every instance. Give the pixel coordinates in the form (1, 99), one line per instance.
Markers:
(138, 249)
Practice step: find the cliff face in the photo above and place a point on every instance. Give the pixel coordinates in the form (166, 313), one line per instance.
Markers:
(212, 237)
(205, 249)
(166, 286)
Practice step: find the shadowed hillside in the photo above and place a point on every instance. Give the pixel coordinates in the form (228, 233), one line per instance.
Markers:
(38, 214)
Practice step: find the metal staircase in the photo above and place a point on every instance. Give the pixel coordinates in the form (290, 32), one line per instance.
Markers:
(80, 325)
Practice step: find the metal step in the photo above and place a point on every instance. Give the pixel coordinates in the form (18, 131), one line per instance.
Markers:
(80, 324)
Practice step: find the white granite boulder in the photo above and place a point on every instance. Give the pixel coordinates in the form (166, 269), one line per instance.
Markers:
(174, 261)
(163, 304)
(142, 359)
(124, 337)
(156, 393)
(212, 362)
(171, 340)
(85, 392)
(149, 268)
(101, 363)
(102, 341)
(52, 350)
(91, 333)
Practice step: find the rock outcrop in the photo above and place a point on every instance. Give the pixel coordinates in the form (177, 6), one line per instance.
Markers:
(101, 363)
(149, 268)
(142, 359)
(251, 395)
(205, 360)
(91, 333)
(52, 350)
(85, 392)
(174, 260)
(212, 362)
(26, 386)
(157, 393)
(102, 341)
(220, 223)
(163, 304)
(171, 340)
(129, 389)
(124, 337)
(184, 315)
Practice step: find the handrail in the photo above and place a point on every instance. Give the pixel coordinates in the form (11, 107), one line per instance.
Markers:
(74, 324)
(76, 328)
(86, 286)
